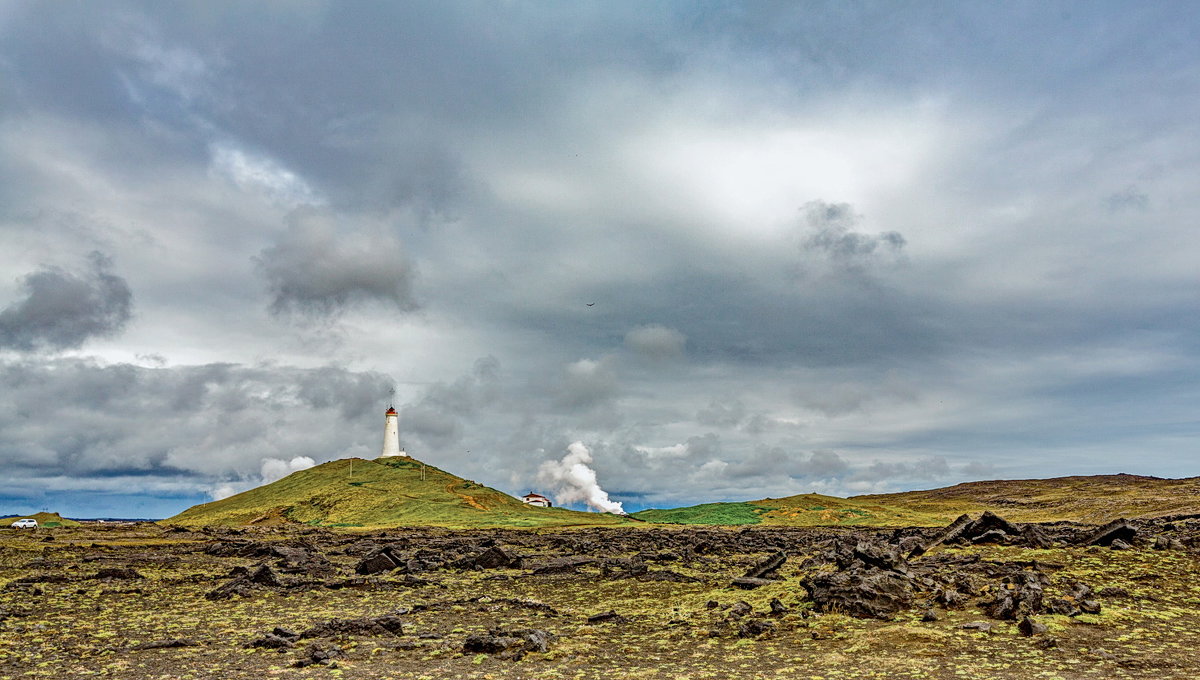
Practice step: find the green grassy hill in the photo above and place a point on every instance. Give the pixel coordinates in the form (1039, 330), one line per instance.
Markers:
(386, 492)
(1094, 499)
(44, 519)
(803, 510)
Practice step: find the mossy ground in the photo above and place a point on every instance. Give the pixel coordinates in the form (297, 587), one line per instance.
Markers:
(85, 628)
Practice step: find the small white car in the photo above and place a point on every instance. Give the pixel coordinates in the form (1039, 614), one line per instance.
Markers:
(26, 523)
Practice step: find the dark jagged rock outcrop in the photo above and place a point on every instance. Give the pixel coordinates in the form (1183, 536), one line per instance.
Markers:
(380, 560)
(387, 624)
(867, 594)
(869, 578)
(245, 582)
(767, 568)
(989, 528)
(1116, 530)
(512, 644)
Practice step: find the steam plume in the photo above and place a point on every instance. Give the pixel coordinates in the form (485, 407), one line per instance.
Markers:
(574, 481)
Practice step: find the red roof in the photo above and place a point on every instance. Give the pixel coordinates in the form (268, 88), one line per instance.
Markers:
(535, 495)
(390, 412)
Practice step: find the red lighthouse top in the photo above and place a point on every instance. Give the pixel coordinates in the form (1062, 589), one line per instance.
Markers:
(390, 412)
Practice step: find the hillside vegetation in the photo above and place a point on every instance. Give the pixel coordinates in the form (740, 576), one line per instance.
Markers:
(1093, 499)
(44, 519)
(386, 492)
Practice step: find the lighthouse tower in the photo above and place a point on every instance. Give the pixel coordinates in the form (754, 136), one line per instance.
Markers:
(391, 434)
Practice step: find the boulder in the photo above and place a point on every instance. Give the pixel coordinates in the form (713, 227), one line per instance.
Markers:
(319, 654)
(755, 628)
(1165, 543)
(271, 641)
(165, 644)
(487, 643)
(494, 557)
(1033, 537)
(1028, 627)
(876, 555)
(949, 534)
(990, 521)
(378, 561)
(740, 609)
(562, 565)
(303, 561)
(991, 537)
(747, 583)
(667, 575)
(511, 642)
(766, 568)
(1020, 594)
(1062, 607)
(263, 576)
(610, 616)
(240, 587)
(875, 594)
(1117, 529)
(373, 626)
(117, 573)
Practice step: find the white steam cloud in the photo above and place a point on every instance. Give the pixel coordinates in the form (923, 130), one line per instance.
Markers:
(573, 481)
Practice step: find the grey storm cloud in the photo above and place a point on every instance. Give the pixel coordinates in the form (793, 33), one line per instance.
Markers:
(931, 467)
(655, 341)
(1000, 264)
(717, 414)
(438, 418)
(196, 423)
(63, 309)
(767, 461)
(831, 232)
(1129, 198)
(318, 267)
(587, 384)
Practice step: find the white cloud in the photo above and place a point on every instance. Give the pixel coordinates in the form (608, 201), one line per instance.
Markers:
(252, 172)
(274, 469)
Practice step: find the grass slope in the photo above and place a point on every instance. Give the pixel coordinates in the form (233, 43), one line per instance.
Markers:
(1092, 499)
(44, 519)
(707, 513)
(803, 510)
(386, 492)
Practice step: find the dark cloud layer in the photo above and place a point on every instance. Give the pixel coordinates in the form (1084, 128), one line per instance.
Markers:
(735, 250)
(186, 425)
(831, 233)
(63, 309)
(318, 267)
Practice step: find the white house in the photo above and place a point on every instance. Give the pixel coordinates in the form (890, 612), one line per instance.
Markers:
(537, 499)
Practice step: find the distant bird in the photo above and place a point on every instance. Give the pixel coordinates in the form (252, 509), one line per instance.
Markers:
(591, 304)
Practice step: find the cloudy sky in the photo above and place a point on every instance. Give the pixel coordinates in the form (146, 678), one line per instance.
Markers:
(737, 250)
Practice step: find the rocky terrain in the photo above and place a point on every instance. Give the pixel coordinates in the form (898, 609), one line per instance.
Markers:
(979, 598)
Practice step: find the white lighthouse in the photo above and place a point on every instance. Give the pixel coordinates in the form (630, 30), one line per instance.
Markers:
(391, 434)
